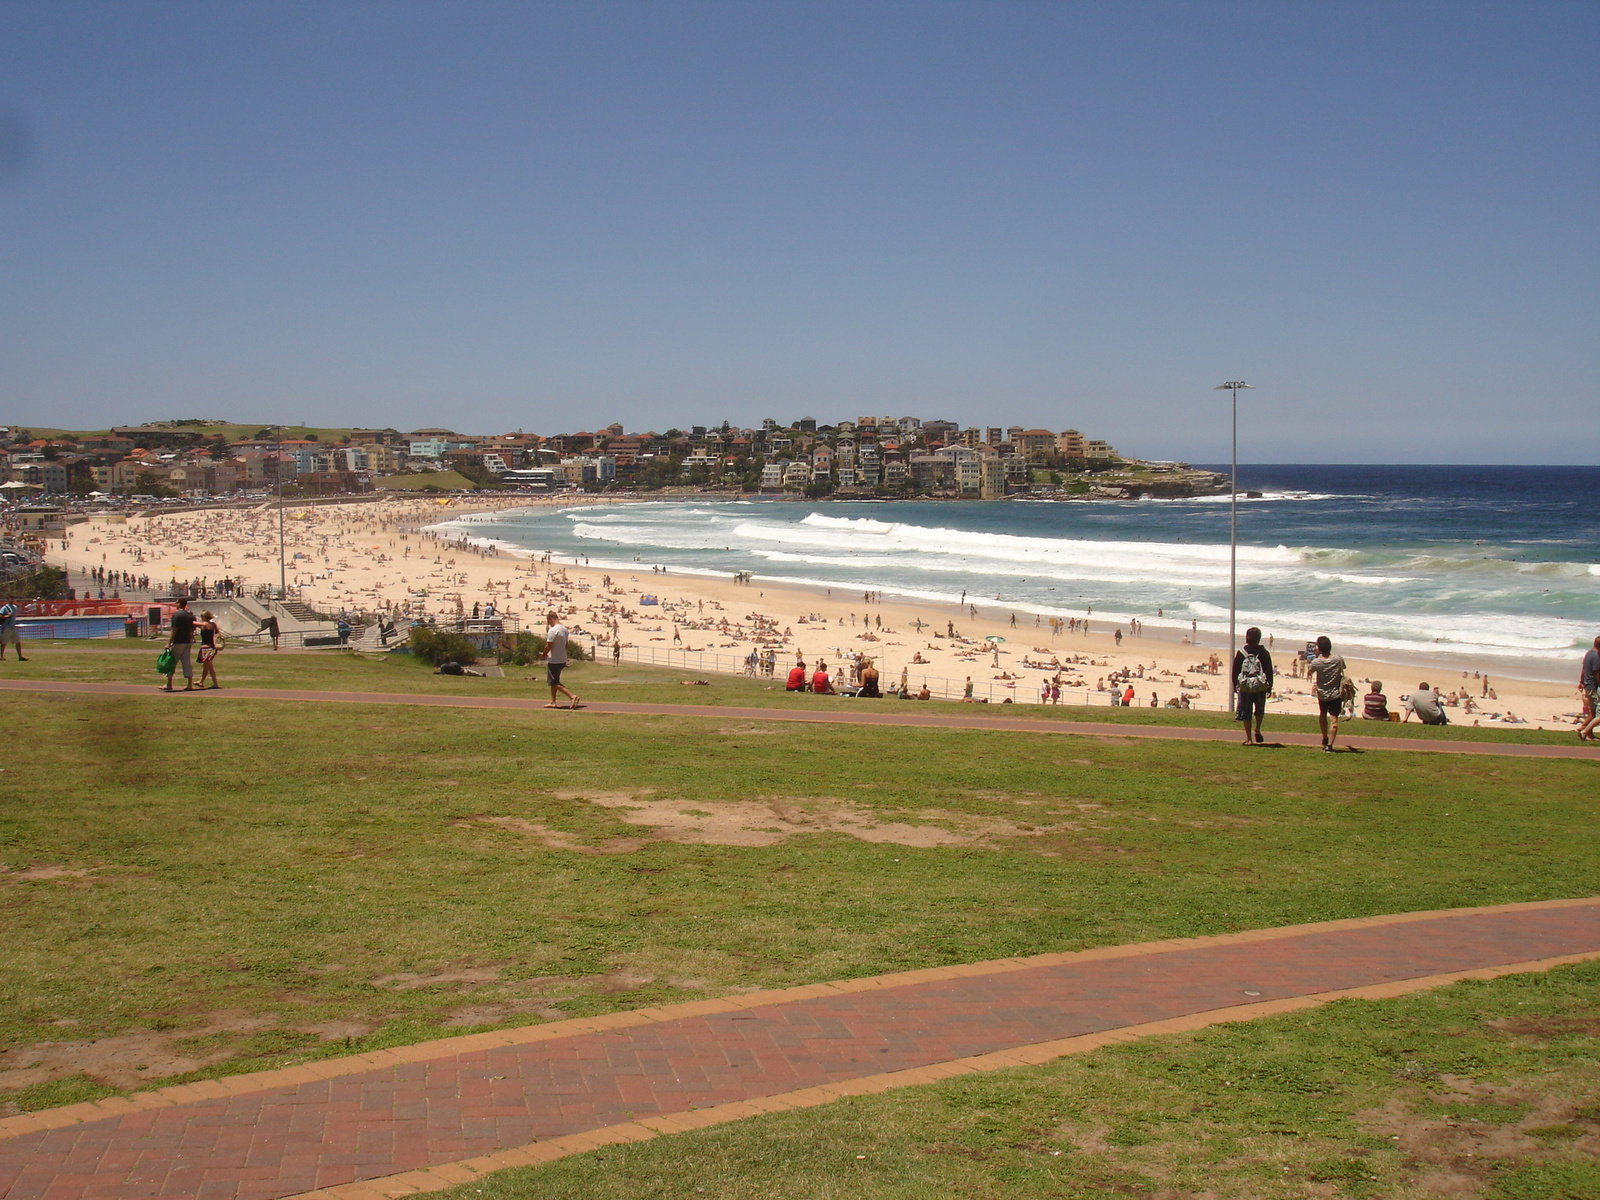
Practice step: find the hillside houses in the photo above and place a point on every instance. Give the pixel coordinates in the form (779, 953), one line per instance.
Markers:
(860, 456)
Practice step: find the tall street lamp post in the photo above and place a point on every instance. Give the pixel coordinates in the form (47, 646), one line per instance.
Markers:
(283, 582)
(1233, 387)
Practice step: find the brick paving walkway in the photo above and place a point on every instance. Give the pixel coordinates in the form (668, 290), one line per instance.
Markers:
(893, 713)
(320, 1126)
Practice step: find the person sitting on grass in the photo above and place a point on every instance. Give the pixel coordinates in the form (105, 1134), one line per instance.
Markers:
(1375, 705)
(869, 681)
(821, 685)
(797, 677)
(1424, 702)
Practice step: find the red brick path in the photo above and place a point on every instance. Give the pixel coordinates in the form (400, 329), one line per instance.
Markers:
(895, 713)
(287, 1132)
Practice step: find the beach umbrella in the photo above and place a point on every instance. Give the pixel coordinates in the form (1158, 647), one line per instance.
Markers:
(995, 638)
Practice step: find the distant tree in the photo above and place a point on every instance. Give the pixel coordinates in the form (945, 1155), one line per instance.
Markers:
(479, 474)
(436, 646)
(657, 474)
(147, 483)
(41, 583)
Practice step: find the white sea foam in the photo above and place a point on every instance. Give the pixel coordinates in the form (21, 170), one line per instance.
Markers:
(1502, 599)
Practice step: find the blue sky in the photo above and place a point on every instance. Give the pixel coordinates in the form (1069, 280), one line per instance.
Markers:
(554, 216)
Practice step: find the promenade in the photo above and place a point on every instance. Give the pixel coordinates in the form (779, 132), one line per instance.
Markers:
(423, 1117)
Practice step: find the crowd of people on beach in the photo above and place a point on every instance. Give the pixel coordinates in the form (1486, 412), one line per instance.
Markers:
(389, 561)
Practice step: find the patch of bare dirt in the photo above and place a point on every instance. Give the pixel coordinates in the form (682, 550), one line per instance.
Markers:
(405, 981)
(558, 839)
(126, 1060)
(543, 995)
(45, 871)
(493, 1014)
(769, 820)
(337, 1031)
(1453, 1152)
(1542, 1028)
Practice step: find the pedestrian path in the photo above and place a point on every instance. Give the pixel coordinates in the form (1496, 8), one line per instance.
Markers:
(893, 714)
(419, 1118)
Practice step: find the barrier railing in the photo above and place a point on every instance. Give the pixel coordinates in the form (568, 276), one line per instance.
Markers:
(72, 627)
(984, 691)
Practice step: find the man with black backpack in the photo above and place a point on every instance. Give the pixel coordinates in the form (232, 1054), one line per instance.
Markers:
(1251, 681)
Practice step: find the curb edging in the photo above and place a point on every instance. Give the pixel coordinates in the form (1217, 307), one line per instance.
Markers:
(330, 1068)
(437, 1178)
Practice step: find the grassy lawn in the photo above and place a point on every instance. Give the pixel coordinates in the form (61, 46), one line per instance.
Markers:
(123, 662)
(1481, 1089)
(189, 891)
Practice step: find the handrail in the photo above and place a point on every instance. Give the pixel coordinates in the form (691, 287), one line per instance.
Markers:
(987, 691)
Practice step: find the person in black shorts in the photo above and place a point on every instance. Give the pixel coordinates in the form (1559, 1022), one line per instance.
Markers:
(1326, 671)
(555, 660)
(1251, 680)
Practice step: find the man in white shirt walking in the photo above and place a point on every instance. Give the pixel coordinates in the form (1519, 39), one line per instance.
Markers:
(555, 660)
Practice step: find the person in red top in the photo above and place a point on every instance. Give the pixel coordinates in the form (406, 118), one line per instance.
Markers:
(797, 677)
(820, 684)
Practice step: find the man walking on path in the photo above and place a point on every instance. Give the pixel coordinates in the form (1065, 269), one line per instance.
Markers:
(1326, 671)
(555, 659)
(1251, 681)
(180, 639)
(9, 635)
(1588, 680)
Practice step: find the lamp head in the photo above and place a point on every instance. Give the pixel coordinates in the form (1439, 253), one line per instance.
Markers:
(1233, 386)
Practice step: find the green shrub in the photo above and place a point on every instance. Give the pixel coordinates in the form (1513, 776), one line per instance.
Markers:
(436, 646)
(522, 650)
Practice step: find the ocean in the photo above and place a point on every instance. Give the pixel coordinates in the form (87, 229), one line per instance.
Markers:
(1494, 568)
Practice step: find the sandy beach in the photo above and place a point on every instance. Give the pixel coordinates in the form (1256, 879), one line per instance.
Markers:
(377, 556)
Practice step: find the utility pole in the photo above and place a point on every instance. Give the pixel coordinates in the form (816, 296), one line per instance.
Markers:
(283, 585)
(1233, 388)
